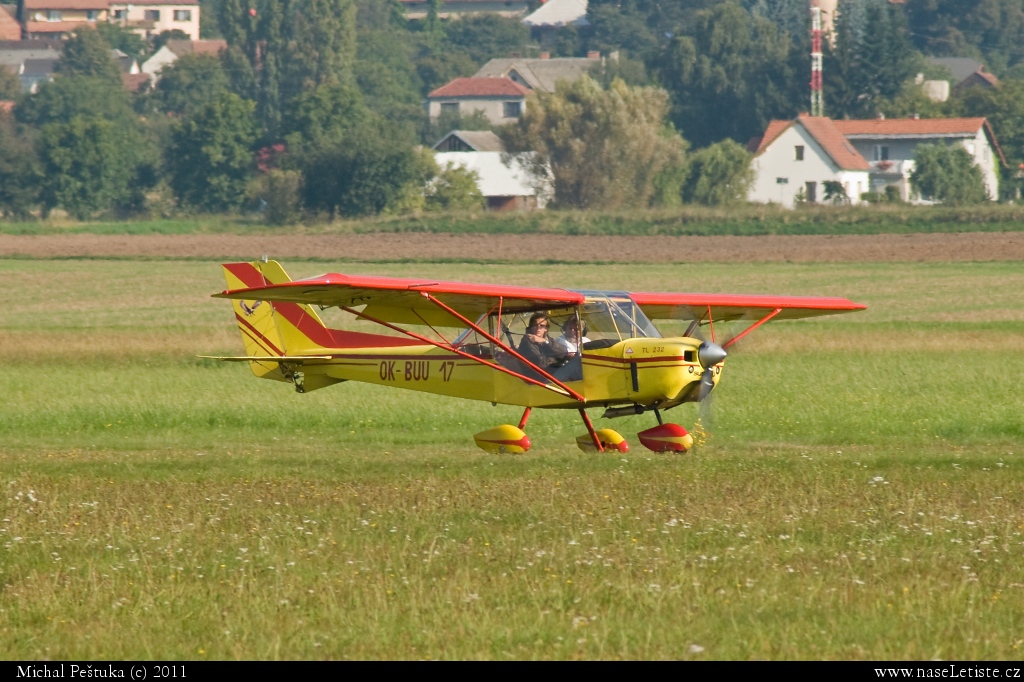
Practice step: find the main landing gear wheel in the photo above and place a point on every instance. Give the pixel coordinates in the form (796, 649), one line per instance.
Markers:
(504, 439)
(610, 440)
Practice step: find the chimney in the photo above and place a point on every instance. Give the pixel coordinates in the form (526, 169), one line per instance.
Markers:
(916, 117)
(881, 116)
(545, 55)
(593, 54)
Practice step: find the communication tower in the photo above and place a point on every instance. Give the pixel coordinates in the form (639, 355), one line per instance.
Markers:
(817, 101)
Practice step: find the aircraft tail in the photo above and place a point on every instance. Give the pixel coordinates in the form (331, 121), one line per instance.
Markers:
(271, 330)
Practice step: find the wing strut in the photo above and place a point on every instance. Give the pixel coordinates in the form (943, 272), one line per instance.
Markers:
(752, 327)
(451, 348)
(508, 349)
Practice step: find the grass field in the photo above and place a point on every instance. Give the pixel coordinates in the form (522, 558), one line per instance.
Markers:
(685, 220)
(861, 496)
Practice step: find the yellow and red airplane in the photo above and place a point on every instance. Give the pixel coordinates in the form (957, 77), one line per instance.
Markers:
(622, 363)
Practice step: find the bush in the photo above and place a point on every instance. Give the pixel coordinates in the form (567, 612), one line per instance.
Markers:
(454, 188)
(835, 193)
(948, 174)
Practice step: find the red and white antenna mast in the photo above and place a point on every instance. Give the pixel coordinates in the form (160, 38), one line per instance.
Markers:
(817, 101)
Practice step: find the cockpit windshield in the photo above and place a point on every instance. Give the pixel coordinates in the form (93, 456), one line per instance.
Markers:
(610, 317)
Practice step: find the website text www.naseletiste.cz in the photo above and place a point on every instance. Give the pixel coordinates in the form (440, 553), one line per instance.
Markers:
(950, 671)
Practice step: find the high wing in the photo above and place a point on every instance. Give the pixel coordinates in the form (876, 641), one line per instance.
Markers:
(406, 300)
(728, 307)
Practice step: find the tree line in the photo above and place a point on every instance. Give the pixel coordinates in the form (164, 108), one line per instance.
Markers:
(316, 105)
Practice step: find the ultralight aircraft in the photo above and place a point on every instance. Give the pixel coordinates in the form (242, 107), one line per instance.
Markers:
(621, 362)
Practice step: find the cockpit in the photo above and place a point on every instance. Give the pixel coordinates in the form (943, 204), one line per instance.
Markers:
(603, 320)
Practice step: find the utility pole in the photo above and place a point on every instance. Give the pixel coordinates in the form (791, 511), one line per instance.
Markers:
(817, 100)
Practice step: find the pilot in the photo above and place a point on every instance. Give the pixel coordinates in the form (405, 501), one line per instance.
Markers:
(568, 344)
(536, 346)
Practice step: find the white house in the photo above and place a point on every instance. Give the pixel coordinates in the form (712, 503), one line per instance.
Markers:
(890, 145)
(502, 100)
(152, 17)
(175, 49)
(506, 187)
(796, 158)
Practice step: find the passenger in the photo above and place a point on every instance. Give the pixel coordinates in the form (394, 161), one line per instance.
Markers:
(567, 346)
(536, 346)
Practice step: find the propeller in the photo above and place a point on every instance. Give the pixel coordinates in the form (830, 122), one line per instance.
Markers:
(708, 355)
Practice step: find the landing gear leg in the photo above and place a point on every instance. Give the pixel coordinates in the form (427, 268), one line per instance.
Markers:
(526, 416)
(657, 413)
(590, 429)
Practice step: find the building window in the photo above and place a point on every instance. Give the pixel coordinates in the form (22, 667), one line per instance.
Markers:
(449, 107)
(513, 109)
(117, 14)
(799, 152)
(53, 15)
(183, 15)
(92, 15)
(812, 192)
(881, 152)
(152, 15)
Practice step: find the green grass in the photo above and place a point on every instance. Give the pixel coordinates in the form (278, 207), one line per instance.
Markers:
(861, 496)
(687, 220)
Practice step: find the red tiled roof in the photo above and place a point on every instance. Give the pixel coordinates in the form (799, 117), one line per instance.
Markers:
(133, 82)
(480, 87)
(10, 29)
(775, 129)
(150, 3)
(6, 106)
(911, 126)
(183, 47)
(66, 4)
(827, 134)
(835, 144)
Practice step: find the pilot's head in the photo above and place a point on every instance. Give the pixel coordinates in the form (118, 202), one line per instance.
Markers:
(538, 324)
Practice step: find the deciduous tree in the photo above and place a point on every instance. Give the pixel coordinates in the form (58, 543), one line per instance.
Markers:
(87, 168)
(719, 174)
(604, 148)
(210, 154)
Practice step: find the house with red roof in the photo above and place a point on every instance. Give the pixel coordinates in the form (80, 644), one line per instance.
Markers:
(890, 144)
(794, 159)
(864, 155)
(502, 100)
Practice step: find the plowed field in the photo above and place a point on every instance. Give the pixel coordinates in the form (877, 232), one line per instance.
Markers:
(976, 246)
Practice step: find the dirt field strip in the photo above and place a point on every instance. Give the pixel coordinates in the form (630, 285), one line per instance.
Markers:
(975, 246)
